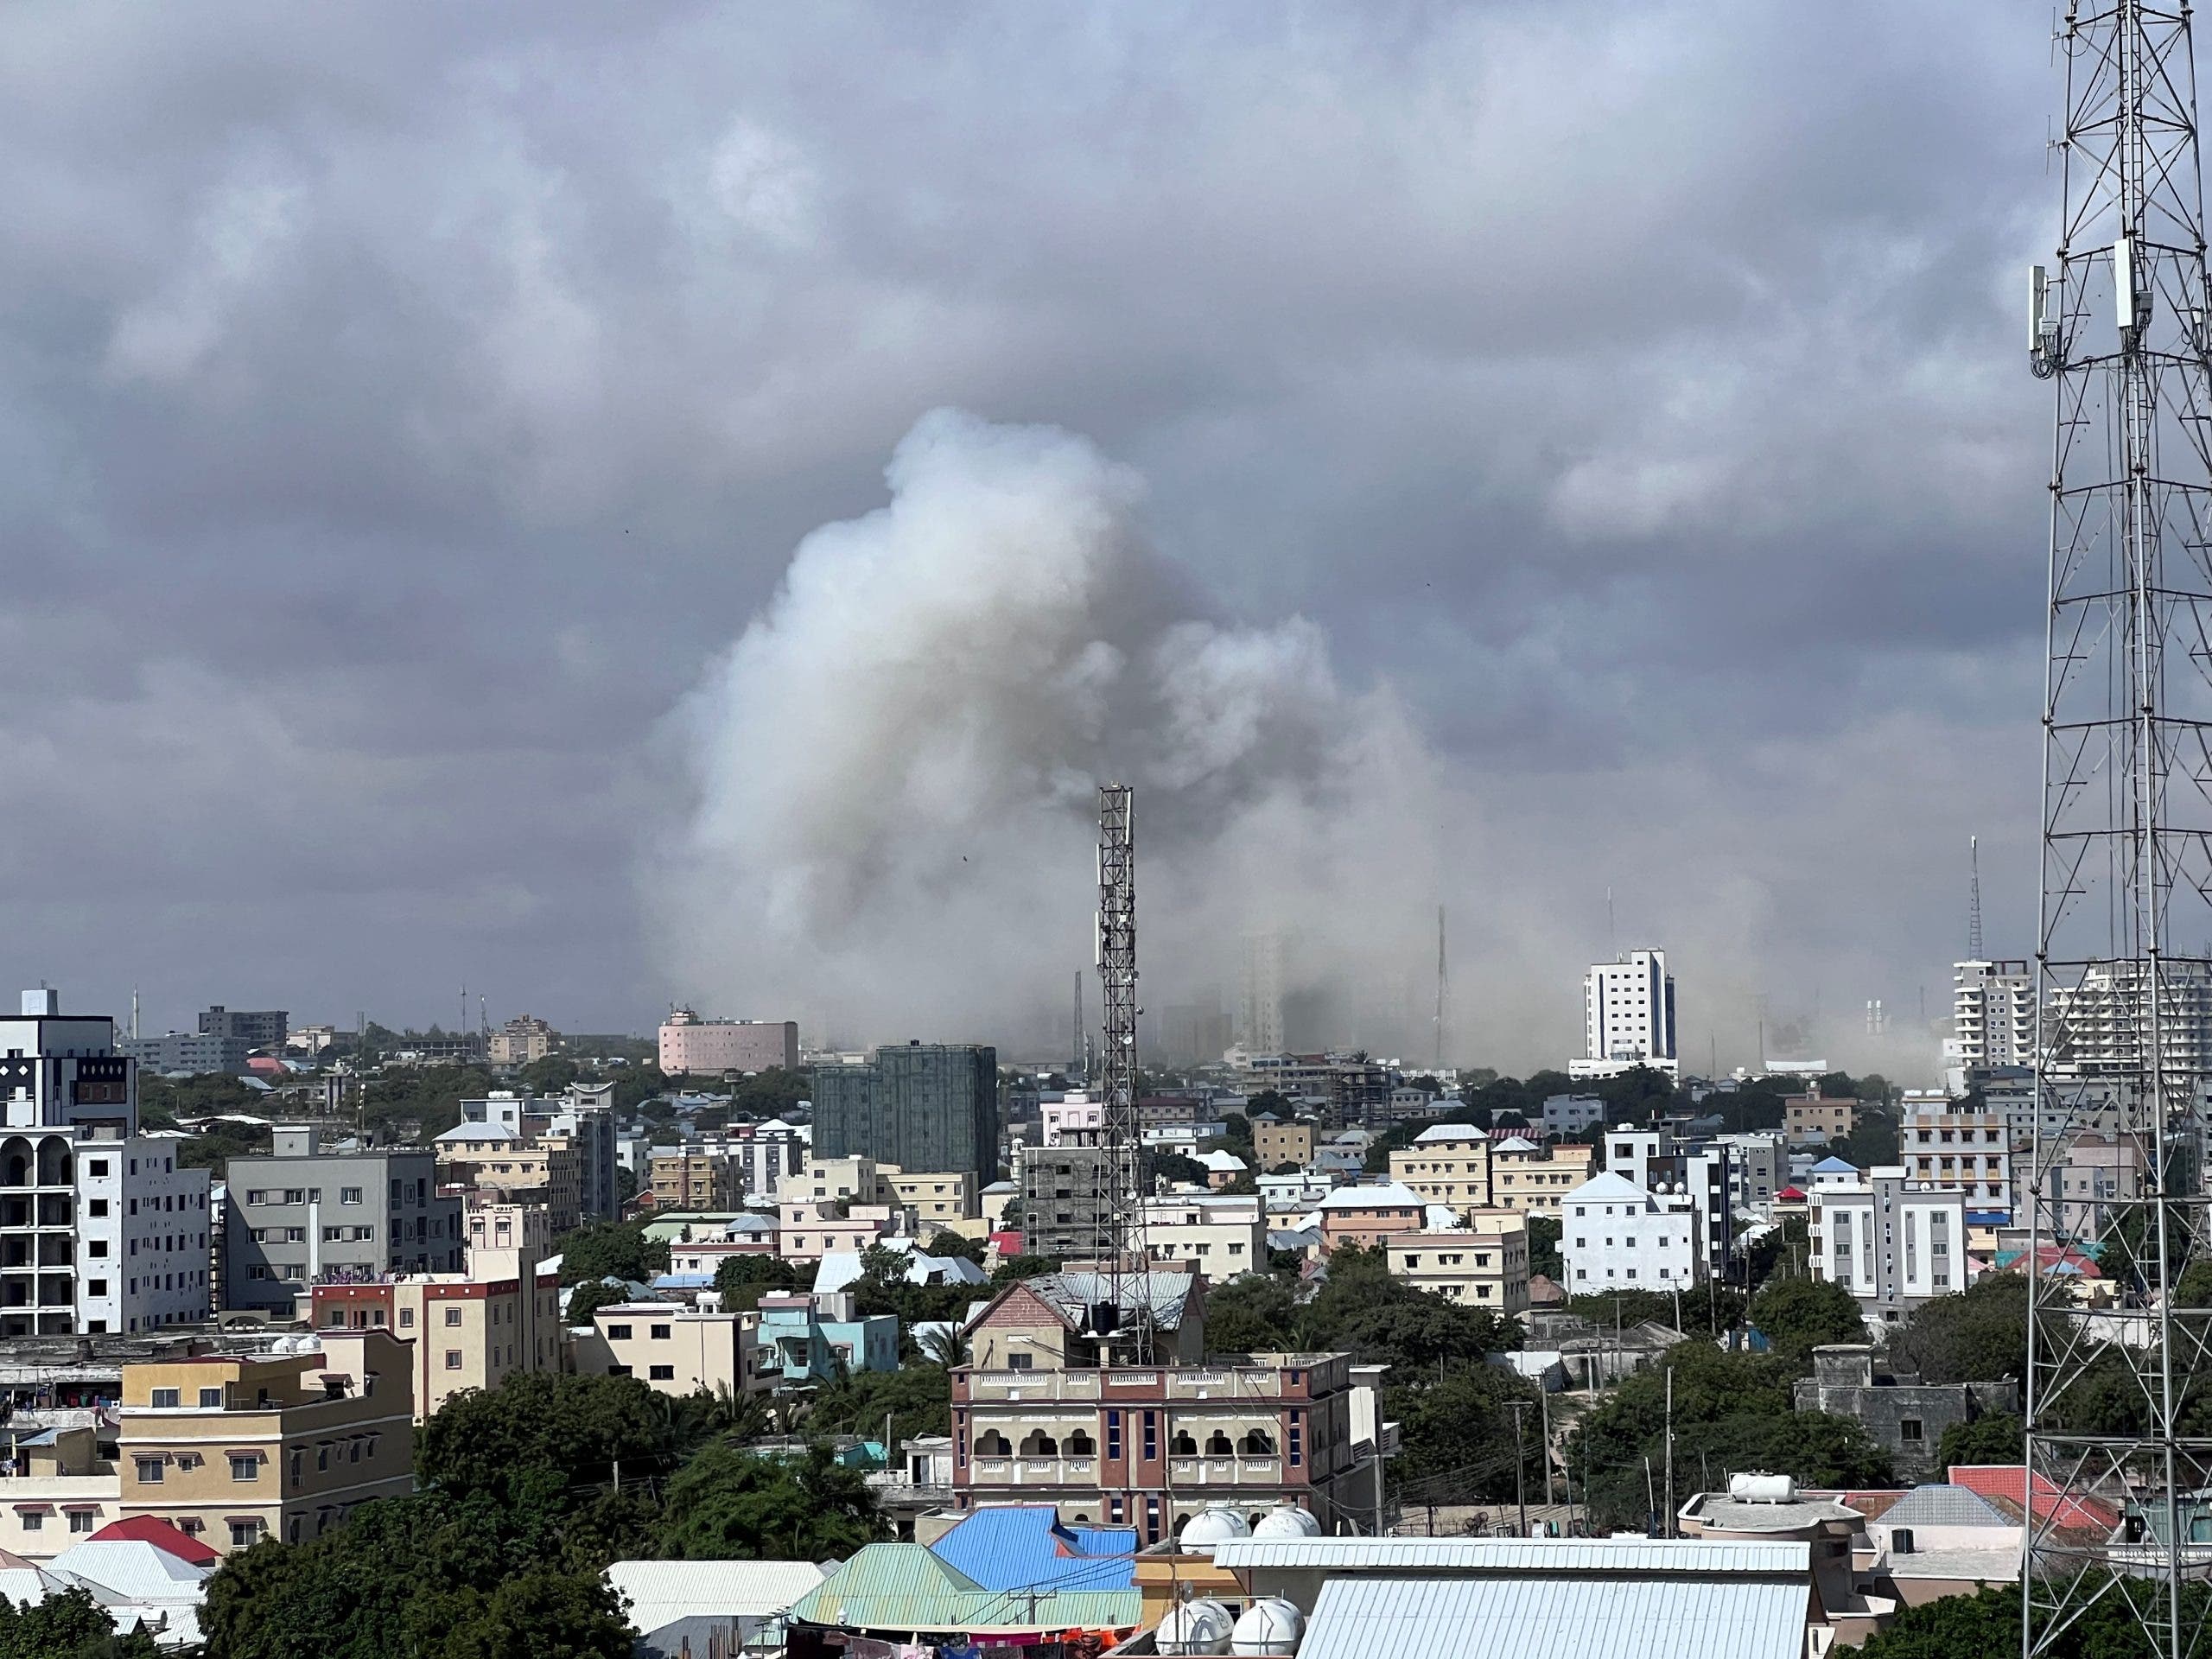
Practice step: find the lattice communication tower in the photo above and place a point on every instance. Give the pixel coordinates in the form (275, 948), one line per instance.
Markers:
(2120, 1399)
(1123, 1317)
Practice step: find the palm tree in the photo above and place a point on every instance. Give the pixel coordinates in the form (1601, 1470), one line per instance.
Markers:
(944, 1344)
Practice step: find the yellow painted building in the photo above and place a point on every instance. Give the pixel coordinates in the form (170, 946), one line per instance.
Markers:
(235, 1449)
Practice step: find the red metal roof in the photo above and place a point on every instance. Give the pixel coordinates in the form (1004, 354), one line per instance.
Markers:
(2053, 1504)
(149, 1529)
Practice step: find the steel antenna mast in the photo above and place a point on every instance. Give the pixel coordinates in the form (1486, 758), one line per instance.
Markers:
(1123, 1320)
(2116, 1418)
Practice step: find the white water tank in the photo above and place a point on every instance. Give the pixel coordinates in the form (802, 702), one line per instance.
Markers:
(1762, 1489)
(1269, 1625)
(1214, 1524)
(1194, 1627)
(1288, 1521)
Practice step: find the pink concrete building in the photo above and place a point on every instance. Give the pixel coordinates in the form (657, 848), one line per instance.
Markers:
(710, 1047)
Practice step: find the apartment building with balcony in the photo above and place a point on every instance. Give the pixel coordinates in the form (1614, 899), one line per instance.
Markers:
(1036, 1419)
(1970, 1152)
(689, 1178)
(235, 1448)
(100, 1231)
(506, 1165)
(1484, 1264)
(1892, 1244)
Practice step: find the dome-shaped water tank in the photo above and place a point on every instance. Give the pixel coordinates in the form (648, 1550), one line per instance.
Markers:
(1268, 1626)
(1212, 1525)
(1194, 1627)
(1288, 1521)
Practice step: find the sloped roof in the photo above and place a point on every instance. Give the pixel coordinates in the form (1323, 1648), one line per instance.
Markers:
(2052, 1505)
(906, 1588)
(24, 1582)
(1450, 1132)
(1944, 1505)
(461, 1132)
(1223, 1163)
(1609, 1188)
(1835, 1166)
(1559, 1614)
(151, 1529)
(661, 1593)
(1384, 1195)
(1071, 1295)
(131, 1570)
(1023, 1546)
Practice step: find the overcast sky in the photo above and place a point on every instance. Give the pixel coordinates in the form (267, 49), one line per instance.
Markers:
(406, 406)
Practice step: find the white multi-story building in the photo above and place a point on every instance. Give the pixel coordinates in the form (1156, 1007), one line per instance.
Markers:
(1218, 1234)
(100, 1231)
(1628, 1015)
(2095, 1026)
(1889, 1243)
(1614, 1235)
(1993, 1014)
(1076, 1119)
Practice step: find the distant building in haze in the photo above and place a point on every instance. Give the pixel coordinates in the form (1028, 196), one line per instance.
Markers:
(925, 1106)
(1628, 1016)
(699, 1047)
(259, 1028)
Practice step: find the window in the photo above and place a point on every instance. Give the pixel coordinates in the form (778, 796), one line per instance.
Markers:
(97, 1207)
(1113, 1434)
(991, 1444)
(295, 1195)
(166, 1397)
(98, 1165)
(246, 1465)
(245, 1534)
(1020, 1362)
(661, 1373)
(82, 1520)
(617, 1333)
(96, 1288)
(661, 1332)
(349, 1195)
(1909, 1430)
(330, 1235)
(452, 1316)
(1151, 1434)
(150, 1472)
(407, 1318)
(32, 1520)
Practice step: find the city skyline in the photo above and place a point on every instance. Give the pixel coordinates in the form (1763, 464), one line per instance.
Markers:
(417, 437)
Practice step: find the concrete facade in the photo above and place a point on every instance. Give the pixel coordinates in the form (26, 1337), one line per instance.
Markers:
(691, 1045)
(1904, 1416)
(301, 1215)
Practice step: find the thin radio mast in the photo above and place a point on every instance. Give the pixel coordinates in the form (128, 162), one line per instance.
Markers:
(2119, 325)
(1443, 987)
(1974, 898)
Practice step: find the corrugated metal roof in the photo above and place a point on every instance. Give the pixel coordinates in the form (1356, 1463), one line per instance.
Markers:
(1943, 1506)
(660, 1593)
(903, 1587)
(1023, 1546)
(1548, 1555)
(1557, 1617)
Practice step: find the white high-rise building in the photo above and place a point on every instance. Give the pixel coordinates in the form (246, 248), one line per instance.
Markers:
(100, 1230)
(1259, 995)
(2097, 1025)
(1628, 1015)
(1993, 1014)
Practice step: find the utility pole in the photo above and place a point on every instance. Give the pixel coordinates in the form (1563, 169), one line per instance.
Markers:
(1443, 983)
(1974, 898)
(1671, 1450)
(1520, 1464)
(1544, 1406)
(2120, 324)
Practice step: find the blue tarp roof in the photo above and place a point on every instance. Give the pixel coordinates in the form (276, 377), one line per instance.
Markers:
(1023, 1546)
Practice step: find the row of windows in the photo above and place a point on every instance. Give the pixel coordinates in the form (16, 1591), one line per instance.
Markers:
(402, 1192)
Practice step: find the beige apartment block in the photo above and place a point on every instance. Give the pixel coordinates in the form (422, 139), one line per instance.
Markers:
(676, 1349)
(1220, 1234)
(1276, 1144)
(1815, 1119)
(235, 1448)
(462, 1331)
(690, 1180)
(809, 1228)
(1448, 1163)
(1484, 1265)
(58, 1491)
(1533, 1180)
(500, 1166)
(938, 1197)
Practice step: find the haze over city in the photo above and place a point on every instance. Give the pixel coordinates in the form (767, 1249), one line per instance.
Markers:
(614, 509)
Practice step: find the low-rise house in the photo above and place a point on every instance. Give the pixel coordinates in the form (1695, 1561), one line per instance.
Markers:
(810, 1339)
(1899, 1412)
(57, 1488)
(1222, 1168)
(678, 1349)
(681, 1609)
(904, 1594)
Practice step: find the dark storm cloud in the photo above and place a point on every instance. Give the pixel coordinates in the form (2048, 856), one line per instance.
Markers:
(405, 405)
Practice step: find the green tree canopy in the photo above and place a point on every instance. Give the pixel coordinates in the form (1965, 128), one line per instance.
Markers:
(617, 1247)
(1997, 1438)
(537, 1437)
(731, 1504)
(741, 1280)
(68, 1624)
(1798, 1315)
(1979, 1336)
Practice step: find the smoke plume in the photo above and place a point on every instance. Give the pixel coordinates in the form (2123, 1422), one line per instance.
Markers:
(894, 772)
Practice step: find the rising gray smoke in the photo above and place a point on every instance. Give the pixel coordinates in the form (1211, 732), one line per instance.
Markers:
(895, 769)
